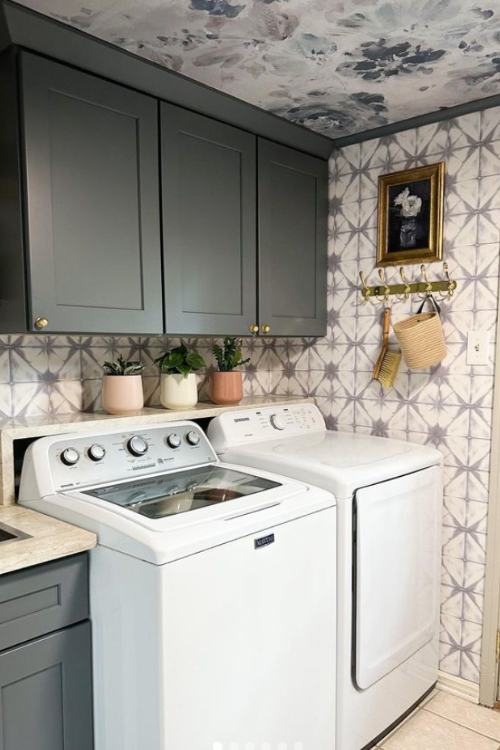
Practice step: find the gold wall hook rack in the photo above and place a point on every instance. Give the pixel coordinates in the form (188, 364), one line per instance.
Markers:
(405, 288)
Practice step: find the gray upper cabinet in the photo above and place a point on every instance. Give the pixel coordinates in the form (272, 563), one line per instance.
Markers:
(123, 214)
(209, 224)
(92, 202)
(292, 236)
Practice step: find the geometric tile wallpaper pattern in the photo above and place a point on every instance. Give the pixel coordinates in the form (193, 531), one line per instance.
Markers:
(42, 375)
(449, 406)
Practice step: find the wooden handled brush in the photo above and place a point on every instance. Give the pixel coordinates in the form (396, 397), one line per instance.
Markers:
(388, 361)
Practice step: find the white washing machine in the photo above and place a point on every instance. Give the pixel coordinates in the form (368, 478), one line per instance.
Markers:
(212, 591)
(389, 498)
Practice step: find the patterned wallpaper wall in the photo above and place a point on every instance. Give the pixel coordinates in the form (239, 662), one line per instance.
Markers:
(42, 375)
(449, 406)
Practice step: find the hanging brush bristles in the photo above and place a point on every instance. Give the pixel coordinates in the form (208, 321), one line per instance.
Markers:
(387, 365)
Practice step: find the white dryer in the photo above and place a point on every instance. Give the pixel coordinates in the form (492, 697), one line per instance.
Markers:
(389, 499)
(212, 590)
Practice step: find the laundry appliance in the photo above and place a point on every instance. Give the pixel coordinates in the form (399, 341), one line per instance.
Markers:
(389, 500)
(212, 590)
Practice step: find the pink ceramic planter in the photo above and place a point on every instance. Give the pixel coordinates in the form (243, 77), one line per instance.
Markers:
(122, 394)
(226, 388)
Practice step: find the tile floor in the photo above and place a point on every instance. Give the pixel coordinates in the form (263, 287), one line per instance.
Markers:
(446, 722)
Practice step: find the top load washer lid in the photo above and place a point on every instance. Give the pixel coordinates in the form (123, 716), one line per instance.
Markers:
(158, 493)
(337, 461)
(162, 528)
(182, 491)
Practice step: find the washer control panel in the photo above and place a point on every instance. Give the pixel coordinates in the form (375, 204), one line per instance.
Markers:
(267, 423)
(83, 460)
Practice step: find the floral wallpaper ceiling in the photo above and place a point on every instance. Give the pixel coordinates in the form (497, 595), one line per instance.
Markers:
(335, 66)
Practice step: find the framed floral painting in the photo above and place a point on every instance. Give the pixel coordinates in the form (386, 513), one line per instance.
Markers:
(410, 216)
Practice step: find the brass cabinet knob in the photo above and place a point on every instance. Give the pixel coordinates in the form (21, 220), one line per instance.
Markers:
(254, 328)
(265, 328)
(41, 323)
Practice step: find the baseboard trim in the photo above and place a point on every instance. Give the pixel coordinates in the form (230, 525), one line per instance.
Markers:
(458, 686)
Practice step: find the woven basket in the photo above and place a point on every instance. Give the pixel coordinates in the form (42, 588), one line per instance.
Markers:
(421, 339)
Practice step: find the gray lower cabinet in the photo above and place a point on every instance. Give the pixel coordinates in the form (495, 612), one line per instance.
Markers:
(92, 202)
(46, 693)
(292, 237)
(209, 205)
(46, 657)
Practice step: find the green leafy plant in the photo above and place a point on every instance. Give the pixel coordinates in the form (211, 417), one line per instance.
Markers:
(180, 361)
(122, 367)
(229, 356)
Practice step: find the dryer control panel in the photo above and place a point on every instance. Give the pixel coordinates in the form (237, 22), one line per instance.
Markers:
(266, 423)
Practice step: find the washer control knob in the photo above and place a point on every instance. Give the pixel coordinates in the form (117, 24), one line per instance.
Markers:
(278, 421)
(70, 456)
(137, 446)
(96, 452)
(193, 437)
(173, 440)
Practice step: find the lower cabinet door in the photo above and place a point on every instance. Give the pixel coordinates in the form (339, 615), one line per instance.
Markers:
(46, 693)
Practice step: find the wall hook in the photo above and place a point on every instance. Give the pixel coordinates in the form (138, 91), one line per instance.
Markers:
(366, 292)
(428, 285)
(383, 281)
(452, 285)
(407, 287)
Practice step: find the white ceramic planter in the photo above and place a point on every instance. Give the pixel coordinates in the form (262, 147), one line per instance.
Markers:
(178, 392)
(122, 394)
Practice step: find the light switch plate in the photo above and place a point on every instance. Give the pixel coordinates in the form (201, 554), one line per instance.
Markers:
(478, 347)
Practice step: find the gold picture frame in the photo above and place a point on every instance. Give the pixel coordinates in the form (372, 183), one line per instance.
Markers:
(410, 216)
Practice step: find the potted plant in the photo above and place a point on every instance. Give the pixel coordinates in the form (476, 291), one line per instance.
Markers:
(178, 388)
(122, 386)
(226, 385)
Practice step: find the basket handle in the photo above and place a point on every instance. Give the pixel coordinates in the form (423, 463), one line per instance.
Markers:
(430, 298)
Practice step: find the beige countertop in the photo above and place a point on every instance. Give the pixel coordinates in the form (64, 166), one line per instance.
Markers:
(48, 539)
(95, 421)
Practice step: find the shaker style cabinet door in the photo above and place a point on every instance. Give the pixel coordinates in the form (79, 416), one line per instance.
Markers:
(46, 693)
(92, 199)
(293, 211)
(209, 209)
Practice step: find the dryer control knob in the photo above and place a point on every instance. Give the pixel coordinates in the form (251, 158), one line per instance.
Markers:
(173, 440)
(193, 437)
(278, 421)
(70, 456)
(137, 446)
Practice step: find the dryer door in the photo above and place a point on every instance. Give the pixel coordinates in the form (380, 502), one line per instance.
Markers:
(398, 551)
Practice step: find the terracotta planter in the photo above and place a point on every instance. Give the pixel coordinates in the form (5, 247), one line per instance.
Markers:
(226, 388)
(122, 394)
(178, 391)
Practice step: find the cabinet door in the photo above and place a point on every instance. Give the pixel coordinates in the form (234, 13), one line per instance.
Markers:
(46, 693)
(293, 215)
(93, 224)
(209, 224)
